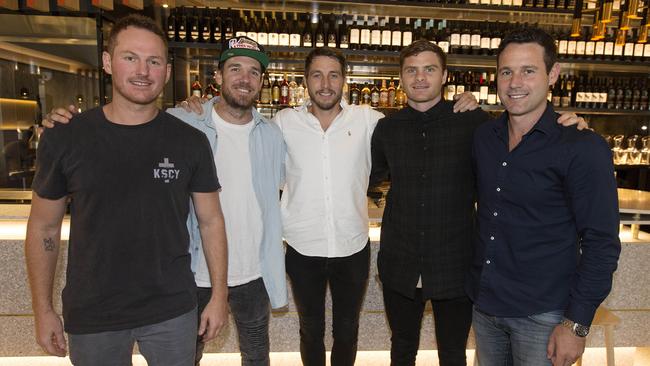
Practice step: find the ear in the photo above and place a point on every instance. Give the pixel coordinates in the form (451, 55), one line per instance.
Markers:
(106, 62)
(169, 72)
(444, 77)
(554, 74)
(218, 77)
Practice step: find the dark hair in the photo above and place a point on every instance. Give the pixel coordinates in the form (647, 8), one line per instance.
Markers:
(531, 35)
(419, 46)
(136, 21)
(327, 52)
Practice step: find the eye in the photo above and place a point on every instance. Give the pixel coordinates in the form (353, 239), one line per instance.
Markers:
(505, 73)
(155, 62)
(255, 73)
(429, 69)
(529, 71)
(129, 58)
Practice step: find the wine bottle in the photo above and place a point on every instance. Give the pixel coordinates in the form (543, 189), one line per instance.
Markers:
(386, 35)
(172, 35)
(284, 91)
(308, 33)
(295, 39)
(344, 40)
(332, 35)
(196, 89)
(396, 35)
(265, 94)
(319, 35)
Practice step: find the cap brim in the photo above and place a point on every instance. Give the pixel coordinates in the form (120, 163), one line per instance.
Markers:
(262, 57)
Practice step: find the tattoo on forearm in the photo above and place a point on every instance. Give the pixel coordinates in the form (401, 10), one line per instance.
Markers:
(48, 244)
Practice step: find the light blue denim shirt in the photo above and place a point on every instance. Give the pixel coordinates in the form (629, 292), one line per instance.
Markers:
(267, 151)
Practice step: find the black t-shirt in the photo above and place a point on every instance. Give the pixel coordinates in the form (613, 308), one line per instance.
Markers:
(128, 260)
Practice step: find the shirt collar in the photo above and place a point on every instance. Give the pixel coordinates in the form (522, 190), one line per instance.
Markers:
(547, 124)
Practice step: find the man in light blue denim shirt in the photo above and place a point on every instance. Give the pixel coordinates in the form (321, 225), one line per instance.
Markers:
(249, 157)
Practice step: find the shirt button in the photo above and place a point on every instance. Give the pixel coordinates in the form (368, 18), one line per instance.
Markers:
(424, 134)
(504, 163)
(424, 175)
(498, 189)
(422, 204)
(425, 148)
(487, 261)
(421, 233)
(492, 238)
(495, 213)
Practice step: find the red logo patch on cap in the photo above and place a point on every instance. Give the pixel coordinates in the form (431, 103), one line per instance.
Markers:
(243, 43)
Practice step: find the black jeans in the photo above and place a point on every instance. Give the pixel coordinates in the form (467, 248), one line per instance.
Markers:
(452, 317)
(250, 308)
(348, 280)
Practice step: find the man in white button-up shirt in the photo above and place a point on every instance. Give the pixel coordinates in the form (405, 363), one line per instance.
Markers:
(324, 208)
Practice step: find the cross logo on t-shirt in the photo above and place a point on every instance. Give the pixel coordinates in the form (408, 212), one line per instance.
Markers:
(166, 171)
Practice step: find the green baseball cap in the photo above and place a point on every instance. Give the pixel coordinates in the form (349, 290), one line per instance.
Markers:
(244, 46)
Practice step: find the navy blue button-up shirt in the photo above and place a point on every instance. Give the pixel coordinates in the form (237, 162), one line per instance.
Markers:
(548, 221)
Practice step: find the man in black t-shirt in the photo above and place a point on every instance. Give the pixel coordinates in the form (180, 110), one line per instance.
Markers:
(129, 171)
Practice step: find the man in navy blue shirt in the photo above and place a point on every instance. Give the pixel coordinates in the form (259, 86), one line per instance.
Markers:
(548, 218)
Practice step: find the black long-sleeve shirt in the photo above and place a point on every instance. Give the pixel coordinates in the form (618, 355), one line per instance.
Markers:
(548, 221)
(429, 219)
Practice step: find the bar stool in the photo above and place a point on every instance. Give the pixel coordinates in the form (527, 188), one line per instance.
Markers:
(606, 319)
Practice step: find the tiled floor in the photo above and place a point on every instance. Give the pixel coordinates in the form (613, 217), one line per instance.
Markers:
(628, 356)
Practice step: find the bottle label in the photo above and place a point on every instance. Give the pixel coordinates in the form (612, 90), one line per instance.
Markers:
(638, 50)
(602, 97)
(483, 93)
(444, 45)
(629, 49)
(646, 50)
(475, 40)
(374, 98)
(455, 39)
(365, 36)
(485, 2)
(476, 95)
(494, 43)
(460, 89)
(506, 2)
(263, 38)
(386, 38)
(196, 92)
(609, 48)
(284, 91)
(306, 40)
(320, 40)
(580, 48)
(294, 40)
(331, 41)
(492, 99)
(580, 97)
(383, 98)
(571, 48)
(562, 47)
(600, 48)
(397, 38)
(407, 38)
(485, 42)
(279, 39)
(465, 39)
(354, 36)
(451, 91)
(590, 48)
(344, 43)
(618, 50)
(375, 37)
(496, 2)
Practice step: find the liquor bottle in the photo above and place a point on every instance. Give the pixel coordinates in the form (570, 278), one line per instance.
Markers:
(396, 35)
(228, 26)
(308, 33)
(343, 37)
(590, 47)
(563, 44)
(567, 92)
(602, 94)
(611, 94)
(251, 29)
(386, 35)
(278, 34)
(442, 37)
(460, 83)
(375, 35)
(620, 92)
(365, 94)
(263, 31)
(216, 33)
(608, 52)
(454, 39)
(331, 38)
(581, 45)
(636, 96)
(172, 35)
(643, 100)
(407, 33)
(628, 48)
(355, 34)
(465, 39)
(242, 25)
(483, 89)
(474, 86)
(638, 48)
(284, 91)
(571, 47)
(196, 89)
(205, 26)
(599, 49)
(450, 86)
(181, 26)
(193, 26)
(579, 93)
(374, 95)
(627, 96)
(293, 89)
(486, 35)
(391, 93)
(618, 51)
(300, 94)
(495, 39)
(319, 35)
(295, 39)
(475, 39)
(355, 97)
(265, 94)
(275, 92)
(400, 96)
(383, 94)
(492, 91)
(364, 38)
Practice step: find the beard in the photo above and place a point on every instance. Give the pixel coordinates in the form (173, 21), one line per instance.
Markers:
(325, 105)
(240, 101)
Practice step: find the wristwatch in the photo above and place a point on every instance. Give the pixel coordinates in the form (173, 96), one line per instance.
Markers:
(577, 329)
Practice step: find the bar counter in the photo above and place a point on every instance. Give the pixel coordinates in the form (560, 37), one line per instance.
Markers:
(629, 299)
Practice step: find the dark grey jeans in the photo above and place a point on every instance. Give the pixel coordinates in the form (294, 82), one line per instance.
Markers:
(250, 307)
(168, 343)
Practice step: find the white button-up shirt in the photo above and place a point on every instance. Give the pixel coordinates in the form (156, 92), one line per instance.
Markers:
(324, 204)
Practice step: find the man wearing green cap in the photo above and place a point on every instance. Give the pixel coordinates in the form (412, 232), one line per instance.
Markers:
(249, 157)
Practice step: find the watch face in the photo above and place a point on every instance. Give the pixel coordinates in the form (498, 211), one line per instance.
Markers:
(581, 330)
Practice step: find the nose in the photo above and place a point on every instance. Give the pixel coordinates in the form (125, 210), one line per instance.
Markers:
(516, 80)
(142, 68)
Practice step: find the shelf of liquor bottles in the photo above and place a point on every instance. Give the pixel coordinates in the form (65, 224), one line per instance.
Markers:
(556, 12)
